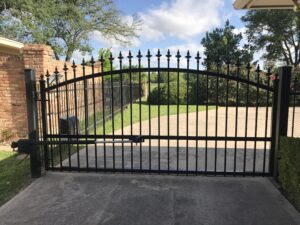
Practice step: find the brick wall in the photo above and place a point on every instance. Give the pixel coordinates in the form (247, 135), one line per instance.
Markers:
(12, 95)
(12, 84)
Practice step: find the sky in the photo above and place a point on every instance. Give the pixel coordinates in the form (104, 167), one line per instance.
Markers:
(169, 24)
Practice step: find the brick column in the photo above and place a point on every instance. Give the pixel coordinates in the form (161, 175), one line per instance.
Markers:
(12, 97)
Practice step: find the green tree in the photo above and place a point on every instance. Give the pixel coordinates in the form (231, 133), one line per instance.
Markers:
(223, 43)
(276, 31)
(65, 25)
(105, 53)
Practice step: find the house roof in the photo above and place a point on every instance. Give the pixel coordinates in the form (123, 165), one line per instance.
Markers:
(266, 4)
(10, 46)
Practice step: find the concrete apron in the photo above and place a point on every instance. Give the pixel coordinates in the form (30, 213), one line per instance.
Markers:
(82, 198)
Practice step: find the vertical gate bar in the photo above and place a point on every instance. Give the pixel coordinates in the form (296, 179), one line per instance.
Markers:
(102, 60)
(267, 117)
(246, 117)
(187, 108)
(130, 93)
(50, 115)
(226, 114)
(294, 105)
(67, 107)
(256, 115)
(35, 157)
(58, 115)
(168, 109)
(76, 113)
(236, 112)
(206, 112)
(112, 108)
(122, 113)
(86, 112)
(216, 115)
(139, 56)
(282, 112)
(177, 124)
(94, 110)
(44, 120)
(149, 106)
(197, 106)
(159, 80)
(55, 127)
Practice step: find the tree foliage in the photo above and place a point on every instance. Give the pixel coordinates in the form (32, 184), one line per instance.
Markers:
(224, 43)
(65, 25)
(276, 31)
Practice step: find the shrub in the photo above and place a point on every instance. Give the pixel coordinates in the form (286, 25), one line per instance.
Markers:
(161, 95)
(289, 169)
(6, 134)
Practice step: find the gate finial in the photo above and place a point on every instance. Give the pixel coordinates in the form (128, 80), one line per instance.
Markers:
(178, 56)
(65, 67)
(74, 65)
(92, 61)
(257, 68)
(129, 55)
(168, 55)
(198, 56)
(188, 56)
(120, 57)
(158, 55)
(148, 55)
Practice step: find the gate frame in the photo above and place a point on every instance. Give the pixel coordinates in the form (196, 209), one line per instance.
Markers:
(279, 125)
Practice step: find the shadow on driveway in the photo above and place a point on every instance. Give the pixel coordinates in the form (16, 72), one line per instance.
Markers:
(82, 198)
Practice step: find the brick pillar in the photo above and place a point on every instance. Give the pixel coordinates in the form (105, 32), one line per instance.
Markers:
(12, 97)
(38, 58)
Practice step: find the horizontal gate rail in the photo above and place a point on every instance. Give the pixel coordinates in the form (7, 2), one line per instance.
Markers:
(164, 137)
(153, 69)
(162, 171)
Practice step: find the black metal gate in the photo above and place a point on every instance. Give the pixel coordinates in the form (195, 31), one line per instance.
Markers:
(163, 117)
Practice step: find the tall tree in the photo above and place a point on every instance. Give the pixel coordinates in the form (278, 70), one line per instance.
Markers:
(65, 25)
(276, 31)
(224, 43)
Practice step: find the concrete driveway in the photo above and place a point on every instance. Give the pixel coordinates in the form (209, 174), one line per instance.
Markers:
(82, 198)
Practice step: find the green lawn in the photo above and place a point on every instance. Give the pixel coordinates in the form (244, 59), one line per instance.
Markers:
(14, 176)
(145, 115)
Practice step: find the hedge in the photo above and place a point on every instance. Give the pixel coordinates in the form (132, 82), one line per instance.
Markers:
(289, 169)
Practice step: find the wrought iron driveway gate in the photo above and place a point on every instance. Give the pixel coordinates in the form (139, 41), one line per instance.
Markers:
(221, 120)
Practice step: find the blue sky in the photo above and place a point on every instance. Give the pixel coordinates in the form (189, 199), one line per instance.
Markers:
(170, 24)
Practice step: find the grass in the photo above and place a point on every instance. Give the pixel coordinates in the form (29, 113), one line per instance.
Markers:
(145, 115)
(14, 176)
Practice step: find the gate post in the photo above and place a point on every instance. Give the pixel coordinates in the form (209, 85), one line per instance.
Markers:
(44, 119)
(35, 157)
(281, 115)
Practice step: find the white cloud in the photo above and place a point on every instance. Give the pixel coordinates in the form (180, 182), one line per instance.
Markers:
(78, 56)
(110, 42)
(183, 19)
